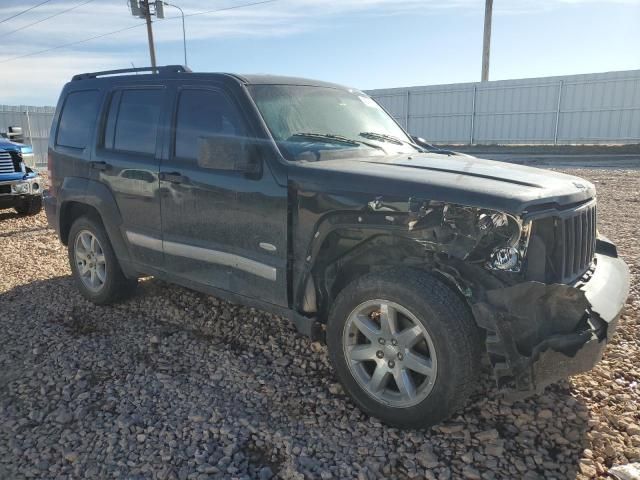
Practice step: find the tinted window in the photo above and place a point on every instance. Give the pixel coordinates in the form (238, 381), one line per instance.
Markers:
(77, 119)
(132, 124)
(203, 113)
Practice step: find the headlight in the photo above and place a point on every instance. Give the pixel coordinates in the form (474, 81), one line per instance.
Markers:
(509, 252)
(504, 258)
(493, 239)
(20, 188)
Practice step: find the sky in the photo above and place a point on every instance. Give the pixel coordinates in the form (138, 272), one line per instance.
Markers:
(366, 44)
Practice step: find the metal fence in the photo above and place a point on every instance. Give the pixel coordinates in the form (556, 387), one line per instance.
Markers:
(599, 108)
(578, 109)
(35, 123)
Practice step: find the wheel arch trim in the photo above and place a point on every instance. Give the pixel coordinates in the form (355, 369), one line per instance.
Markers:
(97, 197)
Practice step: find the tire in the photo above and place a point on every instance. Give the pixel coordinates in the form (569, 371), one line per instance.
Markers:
(32, 206)
(111, 285)
(442, 365)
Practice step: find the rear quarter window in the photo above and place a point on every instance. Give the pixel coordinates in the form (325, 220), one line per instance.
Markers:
(77, 119)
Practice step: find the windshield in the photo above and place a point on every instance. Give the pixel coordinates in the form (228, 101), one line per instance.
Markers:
(317, 123)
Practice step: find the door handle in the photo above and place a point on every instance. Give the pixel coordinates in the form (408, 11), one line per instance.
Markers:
(102, 166)
(173, 177)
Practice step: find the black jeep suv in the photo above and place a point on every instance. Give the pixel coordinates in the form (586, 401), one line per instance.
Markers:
(308, 200)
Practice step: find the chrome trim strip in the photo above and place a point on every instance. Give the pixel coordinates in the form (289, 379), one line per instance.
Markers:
(221, 258)
(205, 255)
(144, 241)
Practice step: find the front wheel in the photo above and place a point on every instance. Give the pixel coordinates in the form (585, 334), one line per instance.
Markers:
(30, 206)
(404, 346)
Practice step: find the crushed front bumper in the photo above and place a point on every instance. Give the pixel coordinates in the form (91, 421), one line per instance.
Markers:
(538, 334)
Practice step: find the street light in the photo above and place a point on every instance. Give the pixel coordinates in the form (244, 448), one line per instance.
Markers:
(184, 35)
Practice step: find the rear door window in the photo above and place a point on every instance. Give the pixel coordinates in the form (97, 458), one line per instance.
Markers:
(132, 122)
(77, 119)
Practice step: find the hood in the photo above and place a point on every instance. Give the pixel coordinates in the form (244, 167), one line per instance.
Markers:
(460, 179)
(8, 145)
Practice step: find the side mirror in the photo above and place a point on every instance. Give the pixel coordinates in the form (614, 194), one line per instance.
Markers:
(228, 152)
(421, 142)
(15, 134)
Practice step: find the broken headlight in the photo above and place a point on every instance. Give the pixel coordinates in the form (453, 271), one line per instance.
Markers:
(497, 239)
(508, 246)
(493, 239)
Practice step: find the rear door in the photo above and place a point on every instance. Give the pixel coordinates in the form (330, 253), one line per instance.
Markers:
(127, 160)
(221, 228)
(72, 135)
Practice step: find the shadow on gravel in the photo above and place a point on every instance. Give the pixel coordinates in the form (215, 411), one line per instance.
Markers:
(168, 352)
(7, 214)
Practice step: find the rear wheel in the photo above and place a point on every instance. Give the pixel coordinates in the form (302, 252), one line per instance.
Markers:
(404, 346)
(94, 265)
(31, 206)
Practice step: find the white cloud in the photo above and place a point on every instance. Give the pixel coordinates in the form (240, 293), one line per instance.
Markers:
(278, 18)
(42, 81)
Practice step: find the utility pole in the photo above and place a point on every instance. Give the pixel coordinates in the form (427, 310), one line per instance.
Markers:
(142, 9)
(147, 16)
(486, 43)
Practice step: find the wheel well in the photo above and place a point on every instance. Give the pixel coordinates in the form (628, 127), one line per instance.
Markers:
(344, 258)
(69, 212)
(332, 273)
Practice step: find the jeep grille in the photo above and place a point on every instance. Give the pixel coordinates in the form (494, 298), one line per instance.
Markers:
(565, 242)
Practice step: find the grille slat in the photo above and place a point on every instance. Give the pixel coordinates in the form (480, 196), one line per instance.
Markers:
(586, 225)
(577, 255)
(6, 163)
(571, 245)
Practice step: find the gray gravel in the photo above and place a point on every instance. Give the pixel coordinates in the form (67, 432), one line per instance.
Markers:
(173, 384)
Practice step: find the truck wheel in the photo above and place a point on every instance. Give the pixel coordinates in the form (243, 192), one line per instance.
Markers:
(404, 346)
(94, 265)
(31, 206)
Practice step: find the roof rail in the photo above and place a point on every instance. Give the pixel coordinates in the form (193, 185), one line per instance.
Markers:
(162, 69)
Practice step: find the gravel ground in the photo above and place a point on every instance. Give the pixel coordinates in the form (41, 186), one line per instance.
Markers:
(175, 384)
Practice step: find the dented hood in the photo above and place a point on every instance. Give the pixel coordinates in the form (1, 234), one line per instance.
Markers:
(460, 179)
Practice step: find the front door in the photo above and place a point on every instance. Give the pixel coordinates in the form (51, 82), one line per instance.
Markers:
(222, 228)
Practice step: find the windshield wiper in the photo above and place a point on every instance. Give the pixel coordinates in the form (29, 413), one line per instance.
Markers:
(387, 138)
(327, 136)
(335, 138)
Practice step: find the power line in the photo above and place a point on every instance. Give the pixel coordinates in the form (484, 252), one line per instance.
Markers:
(46, 18)
(70, 44)
(24, 11)
(223, 9)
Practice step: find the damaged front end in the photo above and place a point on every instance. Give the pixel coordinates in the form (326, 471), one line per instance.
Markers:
(543, 286)
(538, 334)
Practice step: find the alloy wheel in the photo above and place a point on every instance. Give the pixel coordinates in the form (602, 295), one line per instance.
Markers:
(90, 260)
(390, 353)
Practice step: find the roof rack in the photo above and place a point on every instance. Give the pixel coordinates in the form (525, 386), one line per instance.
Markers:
(162, 69)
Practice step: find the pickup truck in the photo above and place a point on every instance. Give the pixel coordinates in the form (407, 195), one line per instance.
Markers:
(20, 185)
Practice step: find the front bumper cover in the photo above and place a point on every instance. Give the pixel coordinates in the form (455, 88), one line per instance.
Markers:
(538, 334)
(11, 198)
